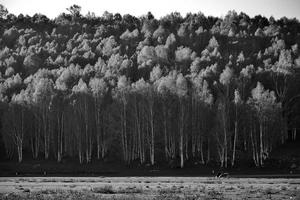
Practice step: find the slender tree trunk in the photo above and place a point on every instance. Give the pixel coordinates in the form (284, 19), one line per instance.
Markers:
(98, 147)
(123, 131)
(98, 125)
(294, 134)
(225, 140)
(20, 138)
(201, 151)
(125, 134)
(62, 135)
(193, 146)
(143, 159)
(80, 154)
(235, 137)
(208, 151)
(45, 138)
(86, 128)
(261, 142)
(181, 135)
(32, 145)
(60, 149)
(245, 139)
(253, 144)
(138, 130)
(221, 155)
(186, 147)
(20, 151)
(37, 139)
(181, 151)
(152, 135)
(167, 154)
(58, 139)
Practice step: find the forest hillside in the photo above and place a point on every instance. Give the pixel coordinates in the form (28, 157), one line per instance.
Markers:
(175, 90)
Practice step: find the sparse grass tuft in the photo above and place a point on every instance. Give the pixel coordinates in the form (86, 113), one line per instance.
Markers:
(172, 190)
(167, 197)
(214, 195)
(270, 191)
(26, 190)
(230, 188)
(107, 189)
(243, 187)
(202, 189)
(297, 195)
(68, 181)
(283, 188)
(130, 190)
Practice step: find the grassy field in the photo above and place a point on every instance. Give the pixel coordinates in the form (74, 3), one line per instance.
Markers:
(148, 188)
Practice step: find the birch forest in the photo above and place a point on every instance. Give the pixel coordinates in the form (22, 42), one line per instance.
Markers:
(173, 91)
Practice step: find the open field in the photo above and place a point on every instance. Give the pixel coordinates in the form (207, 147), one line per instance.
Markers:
(148, 188)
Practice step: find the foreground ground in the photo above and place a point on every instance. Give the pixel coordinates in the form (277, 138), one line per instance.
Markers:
(148, 188)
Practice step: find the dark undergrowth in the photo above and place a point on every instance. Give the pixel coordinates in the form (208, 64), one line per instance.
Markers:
(284, 160)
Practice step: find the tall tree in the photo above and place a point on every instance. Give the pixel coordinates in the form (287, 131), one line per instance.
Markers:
(265, 105)
(99, 89)
(181, 91)
(42, 98)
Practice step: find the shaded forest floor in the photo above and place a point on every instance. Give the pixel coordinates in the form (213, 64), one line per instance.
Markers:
(284, 162)
(156, 188)
(51, 168)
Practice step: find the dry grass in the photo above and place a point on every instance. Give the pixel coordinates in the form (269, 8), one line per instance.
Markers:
(152, 188)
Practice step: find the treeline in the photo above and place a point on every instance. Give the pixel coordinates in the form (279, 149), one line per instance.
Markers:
(175, 90)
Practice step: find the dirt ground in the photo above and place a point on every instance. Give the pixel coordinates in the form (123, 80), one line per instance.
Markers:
(148, 188)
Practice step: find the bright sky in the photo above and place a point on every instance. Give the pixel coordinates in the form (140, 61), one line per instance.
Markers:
(218, 8)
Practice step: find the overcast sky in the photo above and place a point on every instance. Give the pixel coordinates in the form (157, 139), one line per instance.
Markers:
(218, 8)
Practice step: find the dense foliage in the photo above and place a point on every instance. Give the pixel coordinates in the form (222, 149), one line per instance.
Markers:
(179, 89)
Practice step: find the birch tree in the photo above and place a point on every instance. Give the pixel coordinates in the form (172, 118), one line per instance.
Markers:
(225, 79)
(181, 91)
(99, 89)
(122, 94)
(81, 108)
(42, 97)
(237, 101)
(265, 104)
